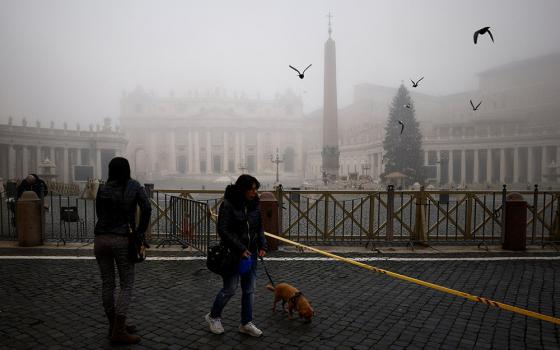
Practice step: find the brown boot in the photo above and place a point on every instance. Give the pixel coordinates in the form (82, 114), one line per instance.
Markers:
(120, 335)
(111, 317)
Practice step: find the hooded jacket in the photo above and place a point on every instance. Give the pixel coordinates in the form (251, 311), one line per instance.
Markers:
(116, 208)
(239, 222)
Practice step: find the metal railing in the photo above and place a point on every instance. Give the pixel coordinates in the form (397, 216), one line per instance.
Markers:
(362, 217)
(182, 221)
(321, 217)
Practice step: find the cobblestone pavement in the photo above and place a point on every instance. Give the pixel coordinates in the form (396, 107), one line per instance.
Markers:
(56, 304)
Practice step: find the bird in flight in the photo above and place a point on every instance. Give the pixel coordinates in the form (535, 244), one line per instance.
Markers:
(300, 75)
(473, 106)
(402, 125)
(483, 31)
(415, 84)
(407, 106)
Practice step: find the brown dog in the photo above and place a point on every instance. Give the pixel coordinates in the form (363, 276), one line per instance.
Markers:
(295, 299)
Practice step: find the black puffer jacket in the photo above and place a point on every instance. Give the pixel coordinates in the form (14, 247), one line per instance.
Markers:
(116, 208)
(239, 222)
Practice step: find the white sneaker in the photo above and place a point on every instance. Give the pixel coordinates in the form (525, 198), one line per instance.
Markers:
(215, 324)
(250, 329)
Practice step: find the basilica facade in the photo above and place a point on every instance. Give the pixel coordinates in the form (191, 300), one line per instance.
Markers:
(212, 134)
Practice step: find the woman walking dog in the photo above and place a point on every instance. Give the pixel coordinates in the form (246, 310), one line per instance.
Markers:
(240, 229)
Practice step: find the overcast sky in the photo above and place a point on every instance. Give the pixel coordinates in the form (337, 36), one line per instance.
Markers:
(70, 60)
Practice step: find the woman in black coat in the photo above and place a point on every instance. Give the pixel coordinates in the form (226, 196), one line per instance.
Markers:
(116, 205)
(240, 228)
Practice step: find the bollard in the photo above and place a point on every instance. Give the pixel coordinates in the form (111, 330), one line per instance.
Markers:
(419, 233)
(29, 220)
(269, 217)
(515, 226)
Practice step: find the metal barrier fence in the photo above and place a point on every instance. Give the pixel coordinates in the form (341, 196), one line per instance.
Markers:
(180, 221)
(321, 217)
(362, 217)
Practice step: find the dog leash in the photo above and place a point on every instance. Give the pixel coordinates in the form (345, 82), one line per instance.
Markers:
(266, 271)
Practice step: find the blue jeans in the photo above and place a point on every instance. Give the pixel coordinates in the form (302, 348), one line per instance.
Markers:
(248, 281)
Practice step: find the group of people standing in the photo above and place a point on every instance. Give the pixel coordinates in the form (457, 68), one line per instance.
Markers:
(239, 227)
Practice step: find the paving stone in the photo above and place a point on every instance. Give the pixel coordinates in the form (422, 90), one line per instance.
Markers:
(56, 304)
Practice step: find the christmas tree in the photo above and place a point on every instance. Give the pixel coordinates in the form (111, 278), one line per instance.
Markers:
(403, 151)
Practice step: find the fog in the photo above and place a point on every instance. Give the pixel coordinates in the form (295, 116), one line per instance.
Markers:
(71, 60)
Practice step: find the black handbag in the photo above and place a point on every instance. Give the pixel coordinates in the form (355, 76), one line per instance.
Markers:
(222, 260)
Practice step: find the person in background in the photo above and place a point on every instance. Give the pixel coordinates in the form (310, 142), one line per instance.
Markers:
(116, 205)
(33, 183)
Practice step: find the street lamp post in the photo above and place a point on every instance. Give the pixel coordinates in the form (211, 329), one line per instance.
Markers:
(276, 161)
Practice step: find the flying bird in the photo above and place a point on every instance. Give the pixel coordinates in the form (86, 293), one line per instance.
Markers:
(415, 84)
(300, 75)
(402, 125)
(483, 31)
(407, 106)
(473, 107)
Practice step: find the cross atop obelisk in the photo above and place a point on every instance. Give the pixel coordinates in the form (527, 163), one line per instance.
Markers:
(330, 29)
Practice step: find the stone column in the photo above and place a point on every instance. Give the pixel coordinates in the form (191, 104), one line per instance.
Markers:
(380, 164)
(243, 149)
(463, 167)
(172, 164)
(502, 165)
(426, 157)
(544, 165)
(258, 155)
(25, 160)
(52, 155)
(438, 168)
(476, 169)
(225, 160)
(78, 156)
(489, 165)
(65, 178)
(516, 165)
(11, 162)
(197, 152)
(208, 153)
(98, 170)
(237, 156)
(37, 158)
(450, 167)
(530, 165)
(190, 152)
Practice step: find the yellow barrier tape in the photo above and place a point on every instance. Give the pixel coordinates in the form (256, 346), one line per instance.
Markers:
(471, 297)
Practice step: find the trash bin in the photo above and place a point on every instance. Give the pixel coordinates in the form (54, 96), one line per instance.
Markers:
(29, 220)
(515, 230)
(269, 215)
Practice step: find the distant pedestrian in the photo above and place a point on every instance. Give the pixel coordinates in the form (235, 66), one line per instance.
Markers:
(240, 228)
(33, 183)
(116, 210)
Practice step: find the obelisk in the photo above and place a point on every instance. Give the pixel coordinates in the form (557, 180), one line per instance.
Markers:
(330, 153)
